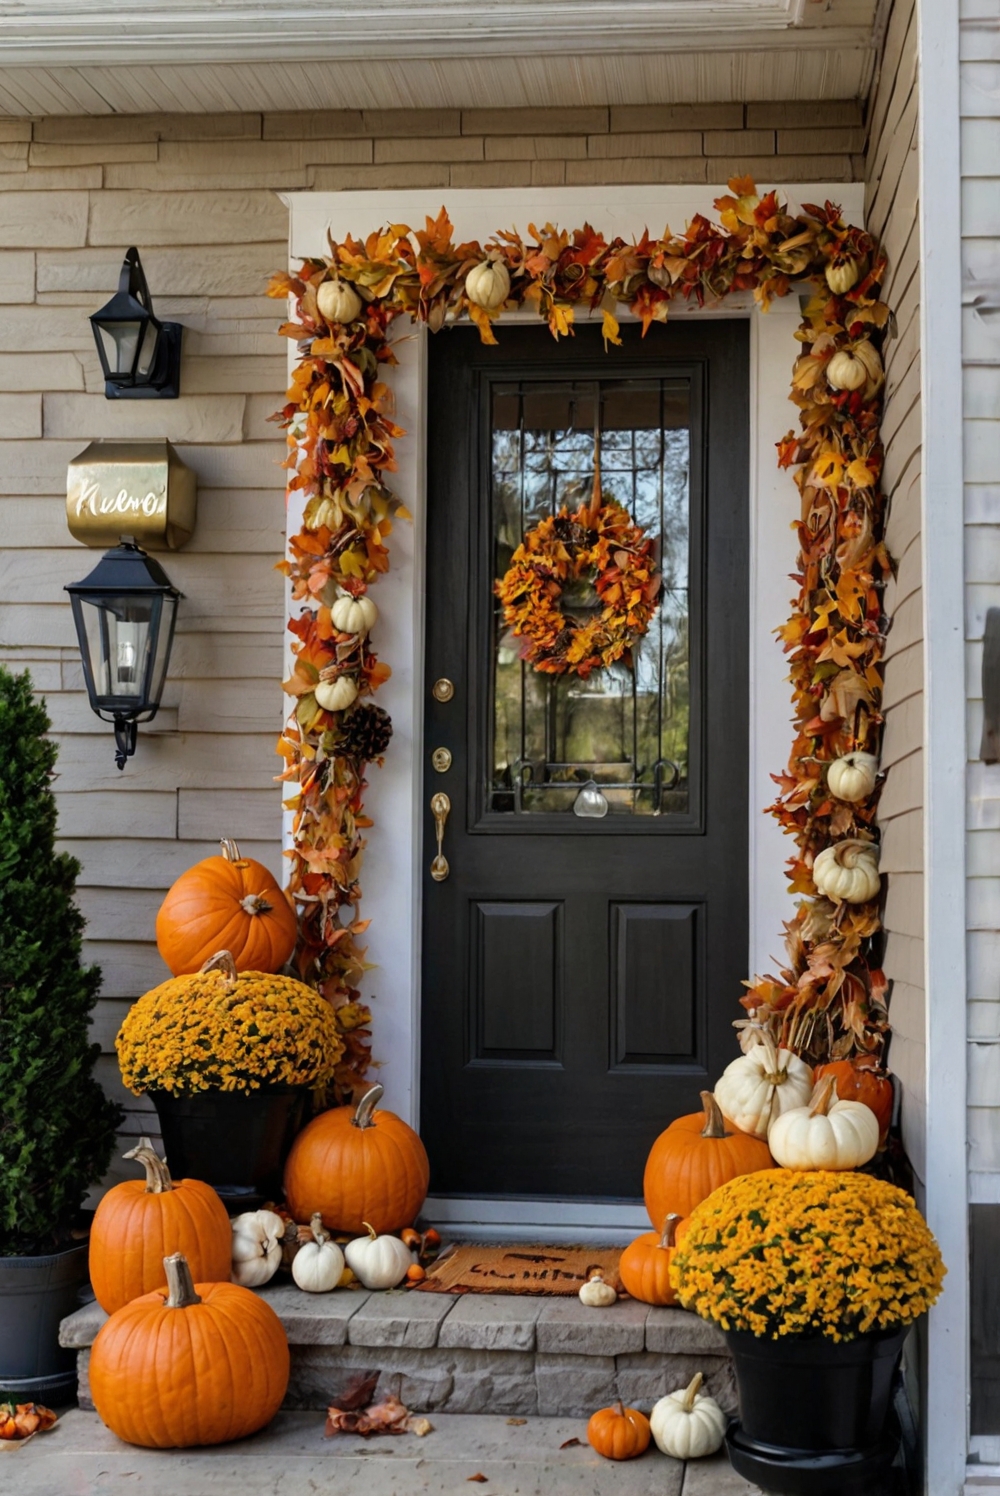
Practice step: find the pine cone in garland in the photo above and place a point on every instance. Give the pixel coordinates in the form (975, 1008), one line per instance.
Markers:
(365, 733)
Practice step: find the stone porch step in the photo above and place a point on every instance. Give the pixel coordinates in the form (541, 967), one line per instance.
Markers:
(478, 1353)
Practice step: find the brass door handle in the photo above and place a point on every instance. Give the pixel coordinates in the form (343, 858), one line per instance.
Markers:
(440, 809)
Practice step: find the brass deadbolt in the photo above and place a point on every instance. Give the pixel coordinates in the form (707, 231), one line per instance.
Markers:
(443, 689)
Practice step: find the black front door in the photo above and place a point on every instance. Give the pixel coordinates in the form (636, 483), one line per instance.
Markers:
(582, 960)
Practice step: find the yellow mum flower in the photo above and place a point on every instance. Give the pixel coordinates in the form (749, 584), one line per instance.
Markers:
(786, 1253)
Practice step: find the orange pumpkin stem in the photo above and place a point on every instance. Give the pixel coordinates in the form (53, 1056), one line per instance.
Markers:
(668, 1236)
(691, 1392)
(715, 1122)
(158, 1180)
(366, 1106)
(223, 961)
(823, 1097)
(180, 1284)
(231, 852)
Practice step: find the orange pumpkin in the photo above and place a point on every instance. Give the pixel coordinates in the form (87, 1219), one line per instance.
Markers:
(357, 1168)
(695, 1156)
(863, 1079)
(619, 1433)
(645, 1264)
(141, 1221)
(228, 902)
(193, 1365)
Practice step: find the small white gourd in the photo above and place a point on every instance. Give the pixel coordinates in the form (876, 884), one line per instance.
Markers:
(354, 615)
(318, 1265)
(826, 1134)
(852, 778)
(851, 368)
(336, 695)
(378, 1261)
(841, 274)
(257, 1244)
(761, 1084)
(597, 1294)
(688, 1424)
(488, 285)
(848, 872)
(338, 301)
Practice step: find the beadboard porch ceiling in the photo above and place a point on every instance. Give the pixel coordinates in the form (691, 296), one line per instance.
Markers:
(206, 56)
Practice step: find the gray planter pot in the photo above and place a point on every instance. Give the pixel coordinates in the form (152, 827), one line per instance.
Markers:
(35, 1294)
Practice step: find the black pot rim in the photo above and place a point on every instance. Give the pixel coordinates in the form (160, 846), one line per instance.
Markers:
(42, 1259)
(745, 1340)
(159, 1093)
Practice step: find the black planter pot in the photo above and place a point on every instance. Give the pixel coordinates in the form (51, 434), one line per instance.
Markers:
(814, 1413)
(35, 1294)
(236, 1141)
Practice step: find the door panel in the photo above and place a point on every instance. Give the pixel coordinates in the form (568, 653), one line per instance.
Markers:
(580, 973)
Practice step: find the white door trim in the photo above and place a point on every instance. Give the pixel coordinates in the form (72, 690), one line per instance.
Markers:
(392, 880)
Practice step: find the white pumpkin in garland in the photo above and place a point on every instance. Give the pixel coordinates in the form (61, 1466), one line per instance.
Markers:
(852, 777)
(338, 301)
(842, 273)
(318, 1265)
(488, 285)
(848, 871)
(688, 1424)
(378, 1261)
(258, 1238)
(853, 368)
(336, 695)
(826, 1134)
(354, 615)
(761, 1084)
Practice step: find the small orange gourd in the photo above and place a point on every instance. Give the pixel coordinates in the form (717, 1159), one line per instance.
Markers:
(141, 1221)
(695, 1156)
(195, 1364)
(358, 1168)
(228, 902)
(644, 1267)
(619, 1433)
(864, 1080)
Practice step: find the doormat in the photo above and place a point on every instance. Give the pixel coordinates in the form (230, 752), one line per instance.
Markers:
(520, 1268)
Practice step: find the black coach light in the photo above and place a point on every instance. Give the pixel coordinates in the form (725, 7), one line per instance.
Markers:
(124, 614)
(140, 356)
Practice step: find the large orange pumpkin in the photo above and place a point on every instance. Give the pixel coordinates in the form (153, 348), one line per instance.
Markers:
(357, 1168)
(863, 1079)
(644, 1267)
(619, 1433)
(228, 902)
(192, 1364)
(141, 1221)
(693, 1157)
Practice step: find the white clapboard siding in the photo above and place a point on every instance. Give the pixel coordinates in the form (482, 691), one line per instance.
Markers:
(981, 445)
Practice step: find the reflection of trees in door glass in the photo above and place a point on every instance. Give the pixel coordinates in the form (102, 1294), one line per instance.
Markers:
(628, 729)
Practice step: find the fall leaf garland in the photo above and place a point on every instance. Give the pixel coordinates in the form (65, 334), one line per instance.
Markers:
(830, 999)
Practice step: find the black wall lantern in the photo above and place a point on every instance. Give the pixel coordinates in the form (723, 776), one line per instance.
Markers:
(140, 356)
(124, 613)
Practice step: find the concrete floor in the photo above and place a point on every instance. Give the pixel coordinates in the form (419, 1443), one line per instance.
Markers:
(79, 1457)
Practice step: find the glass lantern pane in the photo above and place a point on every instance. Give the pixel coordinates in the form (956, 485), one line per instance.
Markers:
(118, 638)
(147, 353)
(627, 727)
(164, 639)
(121, 342)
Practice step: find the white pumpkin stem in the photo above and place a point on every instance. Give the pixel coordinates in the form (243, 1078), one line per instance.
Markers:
(775, 1074)
(691, 1392)
(231, 851)
(668, 1236)
(715, 1122)
(180, 1284)
(316, 1227)
(363, 1116)
(223, 962)
(372, 1233)
(255, 903)
(158, 1180)
(823, 1097)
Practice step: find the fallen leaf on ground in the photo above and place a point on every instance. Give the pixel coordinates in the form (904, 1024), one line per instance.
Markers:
(387, 1417)
(516, 1422)
(568, 1443)
(482, 1479)
(420, 1426)
(359, 1392)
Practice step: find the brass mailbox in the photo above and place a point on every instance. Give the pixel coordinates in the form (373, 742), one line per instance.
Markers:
(140, 489)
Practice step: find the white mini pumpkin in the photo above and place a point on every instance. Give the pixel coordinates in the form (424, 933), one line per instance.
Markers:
(257, 1244)
(378, 1261)
(596, 1293)
(852, 368)
(336, 695)
(848, 871)
(688, 1424)
(826, 1134)
(318, 1265)
(761, 1084)
(488, 284)
(842, 273)
(852, 778)
(338, 301)
(354, 615)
